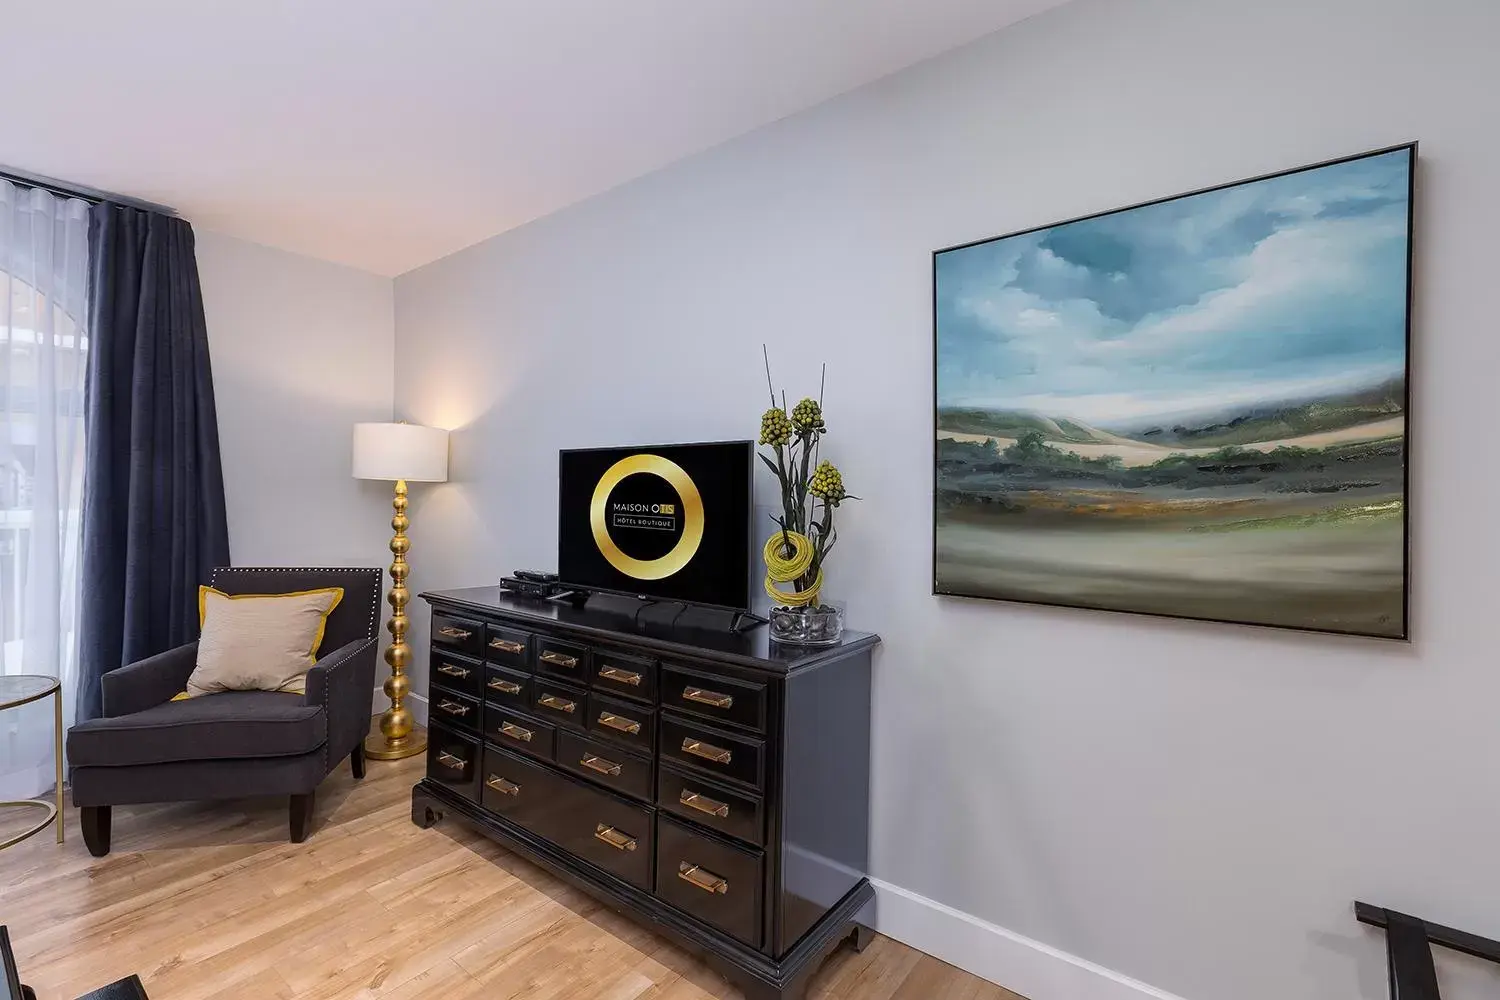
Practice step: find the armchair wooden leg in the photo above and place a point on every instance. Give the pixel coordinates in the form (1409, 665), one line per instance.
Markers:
(357, 761)
(95, 823)
(302, 814)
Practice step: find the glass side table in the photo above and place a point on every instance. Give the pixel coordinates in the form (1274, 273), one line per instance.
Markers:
(23, 689)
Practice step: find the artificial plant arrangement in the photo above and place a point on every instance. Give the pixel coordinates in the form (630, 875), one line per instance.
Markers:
(811, 490)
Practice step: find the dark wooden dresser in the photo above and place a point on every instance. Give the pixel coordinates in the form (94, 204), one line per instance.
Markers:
(713, 785)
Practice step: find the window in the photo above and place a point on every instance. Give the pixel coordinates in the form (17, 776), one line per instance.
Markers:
(23, 372)
(43, 363)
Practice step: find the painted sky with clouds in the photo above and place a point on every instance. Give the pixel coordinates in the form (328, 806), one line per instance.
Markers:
(1276, 290)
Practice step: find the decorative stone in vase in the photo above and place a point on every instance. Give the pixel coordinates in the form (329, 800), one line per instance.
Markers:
(807, 626)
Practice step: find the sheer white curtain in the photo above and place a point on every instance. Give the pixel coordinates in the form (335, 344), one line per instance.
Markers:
(43, 300)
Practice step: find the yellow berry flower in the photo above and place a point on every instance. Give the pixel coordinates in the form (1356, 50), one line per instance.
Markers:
(807, 417)
(775, 427)
(828, 483)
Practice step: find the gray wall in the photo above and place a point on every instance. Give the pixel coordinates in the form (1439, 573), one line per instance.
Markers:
(1189, 804)
(301, 349)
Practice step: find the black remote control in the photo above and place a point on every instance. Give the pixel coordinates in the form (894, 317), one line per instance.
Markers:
(535, 576)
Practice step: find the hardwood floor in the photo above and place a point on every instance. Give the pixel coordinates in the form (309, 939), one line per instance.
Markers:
(211, 902)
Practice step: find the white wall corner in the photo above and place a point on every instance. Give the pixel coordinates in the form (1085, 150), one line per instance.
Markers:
(1032, 969)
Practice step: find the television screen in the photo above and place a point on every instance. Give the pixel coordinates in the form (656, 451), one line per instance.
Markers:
(669, 522)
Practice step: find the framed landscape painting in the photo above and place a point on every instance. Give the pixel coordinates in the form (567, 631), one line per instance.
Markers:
(1195, 407)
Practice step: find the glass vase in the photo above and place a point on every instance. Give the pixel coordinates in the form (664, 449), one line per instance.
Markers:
(814, 625)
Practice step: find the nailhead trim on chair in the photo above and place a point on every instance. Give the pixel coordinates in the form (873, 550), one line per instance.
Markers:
(327, 687)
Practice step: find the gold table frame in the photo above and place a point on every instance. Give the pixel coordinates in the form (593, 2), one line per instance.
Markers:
(54, 812)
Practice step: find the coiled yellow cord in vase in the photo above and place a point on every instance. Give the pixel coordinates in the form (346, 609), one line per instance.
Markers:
(785, 569)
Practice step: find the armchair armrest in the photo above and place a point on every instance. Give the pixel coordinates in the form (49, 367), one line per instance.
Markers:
(149, 682)
(343, 683)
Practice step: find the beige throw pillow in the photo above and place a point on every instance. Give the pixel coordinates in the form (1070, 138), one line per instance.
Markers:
(259, 642)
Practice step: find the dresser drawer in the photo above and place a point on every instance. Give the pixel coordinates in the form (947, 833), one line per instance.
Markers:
(509, 646)
(741, 703)
(460, 635)
(616, 835)
(562, 659)
(714, 881)
(524, 792)
(710, 804)
(734, 757)
(506, 686)
(611, 833)
(624, 675)
(623, 722)
(455, 672)
(559, 703)
(608, 765)
(453, 709)
(453, 761)
(518, 731)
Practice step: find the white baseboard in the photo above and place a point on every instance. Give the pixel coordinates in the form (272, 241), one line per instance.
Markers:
(1032, 969)
(417, 702)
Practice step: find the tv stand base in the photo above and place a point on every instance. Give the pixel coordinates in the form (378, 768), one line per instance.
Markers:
(577, 598)
(744, 621)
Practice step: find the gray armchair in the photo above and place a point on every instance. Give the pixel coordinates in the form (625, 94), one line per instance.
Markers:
(148, 748)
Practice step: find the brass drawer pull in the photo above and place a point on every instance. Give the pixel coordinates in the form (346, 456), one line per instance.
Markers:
(596, 763)
(452, 670)
(702, 878)
(619, 722)
(507, 645)
(705, 750)
(451, 760)
(560, 704)
(614, 838)
(453, 633)
(453, 707)
(515, 732)
(559, 659)
(502, 786)
(704, 804)
(711, 698)
(506, 687)
(620, 676)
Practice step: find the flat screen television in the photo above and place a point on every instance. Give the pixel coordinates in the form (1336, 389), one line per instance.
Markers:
(669, 522)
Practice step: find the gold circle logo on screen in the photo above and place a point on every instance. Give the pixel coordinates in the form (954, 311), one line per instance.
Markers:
(641, 517)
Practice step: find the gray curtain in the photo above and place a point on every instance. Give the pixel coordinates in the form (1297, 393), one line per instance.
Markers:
(153, 495)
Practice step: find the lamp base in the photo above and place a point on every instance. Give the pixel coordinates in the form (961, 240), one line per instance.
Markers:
(377, 747)
(398, 737)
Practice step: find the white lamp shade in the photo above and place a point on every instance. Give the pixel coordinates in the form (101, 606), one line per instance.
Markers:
(401, 451)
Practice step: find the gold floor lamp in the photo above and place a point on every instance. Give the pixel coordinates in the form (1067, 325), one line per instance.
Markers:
(400, 452)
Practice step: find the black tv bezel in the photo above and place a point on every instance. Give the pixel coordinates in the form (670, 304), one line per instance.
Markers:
(749, 446)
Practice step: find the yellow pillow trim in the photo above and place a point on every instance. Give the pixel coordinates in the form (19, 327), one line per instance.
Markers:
(184, 696)
(312, 654)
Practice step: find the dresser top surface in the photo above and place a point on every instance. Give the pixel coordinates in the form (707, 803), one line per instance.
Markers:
(697, 632)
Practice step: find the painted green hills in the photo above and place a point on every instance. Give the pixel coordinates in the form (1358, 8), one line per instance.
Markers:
(1243, 425)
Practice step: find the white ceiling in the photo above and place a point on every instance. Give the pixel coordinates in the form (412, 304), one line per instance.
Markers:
(387, 133)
